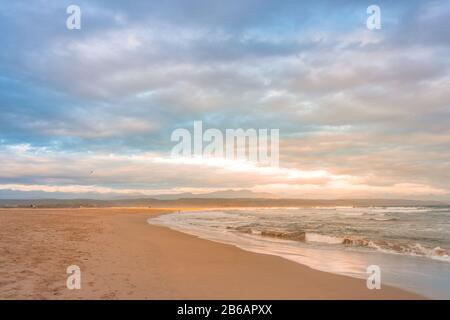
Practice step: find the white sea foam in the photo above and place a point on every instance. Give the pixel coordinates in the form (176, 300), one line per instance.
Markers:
(320, 238)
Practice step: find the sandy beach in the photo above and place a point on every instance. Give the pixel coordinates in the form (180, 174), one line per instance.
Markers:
(121, 256)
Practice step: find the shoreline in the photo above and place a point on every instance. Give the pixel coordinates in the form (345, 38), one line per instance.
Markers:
(121, 256)
(320, 249)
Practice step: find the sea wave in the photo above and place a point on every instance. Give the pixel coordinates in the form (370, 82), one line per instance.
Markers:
(384, 219)
(392, 247)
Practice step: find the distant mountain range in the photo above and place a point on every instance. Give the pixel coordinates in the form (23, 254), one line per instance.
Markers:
(212, 200)
(226, 198)
(227, 194)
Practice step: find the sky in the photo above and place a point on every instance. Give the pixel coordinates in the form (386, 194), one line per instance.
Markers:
(361, 113)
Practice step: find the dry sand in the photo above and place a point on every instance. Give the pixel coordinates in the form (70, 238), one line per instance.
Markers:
(121, 256)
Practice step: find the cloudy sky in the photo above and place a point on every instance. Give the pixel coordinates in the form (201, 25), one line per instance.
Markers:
(361, 113)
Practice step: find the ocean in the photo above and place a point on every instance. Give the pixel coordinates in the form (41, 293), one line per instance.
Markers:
(411, 245)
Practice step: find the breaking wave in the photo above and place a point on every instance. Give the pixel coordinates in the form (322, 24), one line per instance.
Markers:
(392, 247)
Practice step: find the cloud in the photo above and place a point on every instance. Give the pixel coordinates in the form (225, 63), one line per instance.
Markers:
(349, 102)
(150, 173)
